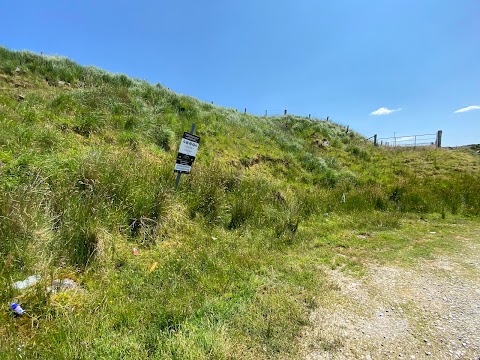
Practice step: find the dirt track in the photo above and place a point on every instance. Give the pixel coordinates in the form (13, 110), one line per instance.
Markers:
(431, 311)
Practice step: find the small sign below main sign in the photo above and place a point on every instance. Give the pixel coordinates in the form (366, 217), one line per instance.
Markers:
(186, 153)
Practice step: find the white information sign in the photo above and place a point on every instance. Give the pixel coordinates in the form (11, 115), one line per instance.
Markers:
(188, 147)
(186, 153)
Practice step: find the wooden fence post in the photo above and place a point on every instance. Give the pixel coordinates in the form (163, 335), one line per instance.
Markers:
(375, 140)
(439, 139)
(285, 112)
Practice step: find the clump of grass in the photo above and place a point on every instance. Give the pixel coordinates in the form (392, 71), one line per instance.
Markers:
(357, 151)
(248, 202)
(163, 137)
(208, 188)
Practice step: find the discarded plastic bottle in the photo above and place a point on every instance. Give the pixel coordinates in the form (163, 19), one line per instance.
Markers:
(17, 309)
(31, 280)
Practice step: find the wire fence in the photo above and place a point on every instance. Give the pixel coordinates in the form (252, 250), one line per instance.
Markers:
(411, 140)
(395, 141)
(280, 112)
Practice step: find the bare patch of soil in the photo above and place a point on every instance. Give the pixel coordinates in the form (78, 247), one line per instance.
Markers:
(430, 311)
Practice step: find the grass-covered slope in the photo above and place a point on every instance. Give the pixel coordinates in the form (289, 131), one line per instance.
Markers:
(86, 174)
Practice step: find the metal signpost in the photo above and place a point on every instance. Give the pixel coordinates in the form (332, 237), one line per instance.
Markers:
(186, 154)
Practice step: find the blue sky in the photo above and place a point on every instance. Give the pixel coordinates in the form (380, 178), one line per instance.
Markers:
(339, 58)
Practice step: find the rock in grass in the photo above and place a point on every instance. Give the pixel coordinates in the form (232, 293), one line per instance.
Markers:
(60, 285)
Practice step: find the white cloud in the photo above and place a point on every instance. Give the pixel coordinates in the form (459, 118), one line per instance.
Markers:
(468, 108)
(383, 111)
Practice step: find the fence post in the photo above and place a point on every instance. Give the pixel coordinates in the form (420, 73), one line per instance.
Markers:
(346, 132)
(285, 112)
(375, 140)
(439, 139)
(245, 111)
(309, 115)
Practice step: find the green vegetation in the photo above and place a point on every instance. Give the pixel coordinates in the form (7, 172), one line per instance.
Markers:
(86, 174)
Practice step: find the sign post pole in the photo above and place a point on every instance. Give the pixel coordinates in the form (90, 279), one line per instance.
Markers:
(179, 174)
(177, 180)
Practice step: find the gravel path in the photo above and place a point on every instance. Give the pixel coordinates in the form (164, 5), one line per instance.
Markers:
(428, 312)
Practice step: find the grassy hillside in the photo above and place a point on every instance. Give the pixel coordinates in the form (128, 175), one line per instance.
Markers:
(86, 174)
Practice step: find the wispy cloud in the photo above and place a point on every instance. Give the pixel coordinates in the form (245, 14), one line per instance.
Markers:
(383, 111)
(468, 108)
